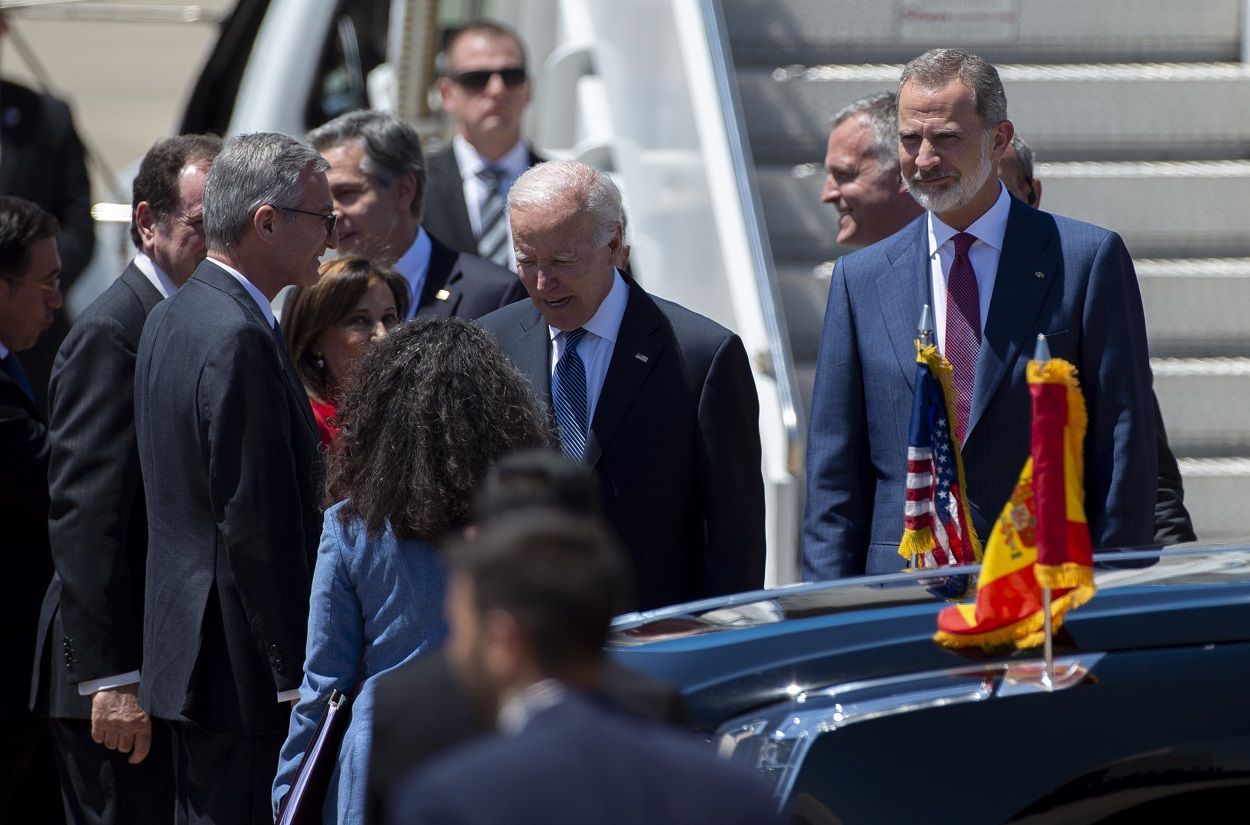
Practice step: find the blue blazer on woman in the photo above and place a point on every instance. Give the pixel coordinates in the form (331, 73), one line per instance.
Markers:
(377, 602)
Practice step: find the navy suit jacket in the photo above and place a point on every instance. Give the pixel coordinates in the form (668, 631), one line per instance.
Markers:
(464, 285)
(231, 463)
(24, 514)
(675, 442)
(581, 762)
(92, 617)
(1071, 281)
(446, 214)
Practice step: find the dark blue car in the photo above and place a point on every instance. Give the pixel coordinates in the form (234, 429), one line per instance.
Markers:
(837, 692)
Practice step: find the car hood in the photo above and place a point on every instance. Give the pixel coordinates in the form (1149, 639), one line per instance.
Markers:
(736, 653)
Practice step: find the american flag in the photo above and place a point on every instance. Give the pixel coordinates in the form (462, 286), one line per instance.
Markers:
(935, 518)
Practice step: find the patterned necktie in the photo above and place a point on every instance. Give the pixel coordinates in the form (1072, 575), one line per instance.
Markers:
(963, 329)
(568, 394)
(492, 244)
(15, 369)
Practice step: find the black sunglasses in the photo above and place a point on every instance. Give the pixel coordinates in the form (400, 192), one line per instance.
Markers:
(475, 81)
(329, 220)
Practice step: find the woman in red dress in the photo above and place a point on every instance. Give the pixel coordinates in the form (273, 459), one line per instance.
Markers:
(328, 325)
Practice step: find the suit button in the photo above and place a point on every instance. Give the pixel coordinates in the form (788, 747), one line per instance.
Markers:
(69, 661)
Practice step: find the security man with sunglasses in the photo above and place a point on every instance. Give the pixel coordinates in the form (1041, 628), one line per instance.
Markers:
(485, 87)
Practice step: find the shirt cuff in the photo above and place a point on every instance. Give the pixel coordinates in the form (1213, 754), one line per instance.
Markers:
(94, 686)
(288, 695)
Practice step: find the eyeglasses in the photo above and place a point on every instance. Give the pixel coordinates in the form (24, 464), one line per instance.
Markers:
(477, 80)
(47, 286)
(331, 220)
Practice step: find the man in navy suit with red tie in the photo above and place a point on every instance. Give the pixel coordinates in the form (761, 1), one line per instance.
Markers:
(1024, 273)
(30, 294)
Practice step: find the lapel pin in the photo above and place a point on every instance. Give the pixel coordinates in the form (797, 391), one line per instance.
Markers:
(641, 357)
(443, 294)
(1039, 274)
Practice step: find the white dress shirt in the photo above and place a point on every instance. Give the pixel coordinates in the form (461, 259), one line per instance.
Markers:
(514, 162)
(989, 230)
(163, 283)
(597, 345)
(414, 265)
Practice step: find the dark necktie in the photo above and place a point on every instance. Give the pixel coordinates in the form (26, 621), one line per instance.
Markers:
(14, 368)
(963, 329)
(568, 395)
(492, 244)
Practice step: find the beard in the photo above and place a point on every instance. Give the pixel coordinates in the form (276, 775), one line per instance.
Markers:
(956, 194)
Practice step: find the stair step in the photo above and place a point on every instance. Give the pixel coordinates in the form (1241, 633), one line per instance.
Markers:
(1043, 31)
(1216, 492)
(1204, 403)
(1196, 307)
(1066, 112)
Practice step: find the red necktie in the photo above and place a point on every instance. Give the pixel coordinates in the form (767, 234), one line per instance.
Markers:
(963, 329)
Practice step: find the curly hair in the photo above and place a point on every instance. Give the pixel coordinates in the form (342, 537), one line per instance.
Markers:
(311, 310)
(425, 413)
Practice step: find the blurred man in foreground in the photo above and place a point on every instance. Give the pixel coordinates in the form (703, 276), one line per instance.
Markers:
(529, 602)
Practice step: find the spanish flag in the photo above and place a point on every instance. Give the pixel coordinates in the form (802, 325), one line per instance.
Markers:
(1041, 538)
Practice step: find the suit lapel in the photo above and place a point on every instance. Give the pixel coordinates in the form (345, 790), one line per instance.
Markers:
(903, 290)
(440, 294)
(1026, 271)
(219, 278)
(638, 344)
(138, 283)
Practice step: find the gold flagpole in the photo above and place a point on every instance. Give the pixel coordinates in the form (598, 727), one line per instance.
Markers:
(924, 333)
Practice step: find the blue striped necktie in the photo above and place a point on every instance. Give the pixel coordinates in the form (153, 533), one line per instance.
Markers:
(492, 244)
(568, 394)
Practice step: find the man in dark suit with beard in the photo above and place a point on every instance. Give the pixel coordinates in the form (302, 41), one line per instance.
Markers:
(378, 180)
(659, 400)
(231, 466)
(115, 766)
(485, 86)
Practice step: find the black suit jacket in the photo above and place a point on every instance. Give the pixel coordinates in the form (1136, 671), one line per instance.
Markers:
(92, 617)
(230, 458)
(446, 215)
(24, 516)
(420, 709)
(464, 285)
(578, 762)
(675, 442)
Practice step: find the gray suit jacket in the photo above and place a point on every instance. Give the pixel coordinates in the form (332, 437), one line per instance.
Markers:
(1072, 281)
(232, 467)
(675, 442)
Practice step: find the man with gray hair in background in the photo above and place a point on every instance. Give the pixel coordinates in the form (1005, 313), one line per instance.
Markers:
(230, 457)
(378, 181)
(862, 177)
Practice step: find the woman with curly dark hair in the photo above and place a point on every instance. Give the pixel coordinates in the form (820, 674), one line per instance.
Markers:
(426, 412)
(327, 326)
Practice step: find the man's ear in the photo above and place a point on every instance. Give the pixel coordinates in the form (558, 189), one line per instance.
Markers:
(405, 190)
(145, 223)
(263, 222)
(1037, 194)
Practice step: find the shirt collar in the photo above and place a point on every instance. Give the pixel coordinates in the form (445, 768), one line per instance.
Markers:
(414, 263)
(163, 283)
(990, 228)
(514, 162)
(257, 295)
(518, 709)
(606, 322)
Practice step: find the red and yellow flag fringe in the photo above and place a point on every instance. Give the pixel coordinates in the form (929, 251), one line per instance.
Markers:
(1041, 538)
